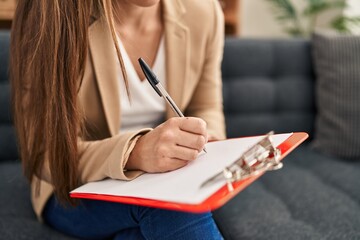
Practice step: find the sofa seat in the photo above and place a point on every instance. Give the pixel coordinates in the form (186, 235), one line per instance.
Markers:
(17, 218)
(312, 197)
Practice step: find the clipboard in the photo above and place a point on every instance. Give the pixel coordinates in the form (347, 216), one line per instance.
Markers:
(216, 200)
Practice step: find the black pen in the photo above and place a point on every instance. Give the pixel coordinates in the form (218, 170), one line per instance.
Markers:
(159, 89)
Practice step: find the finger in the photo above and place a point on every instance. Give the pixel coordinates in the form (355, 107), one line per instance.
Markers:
(193, 125)
(190, 140)
(184, 153)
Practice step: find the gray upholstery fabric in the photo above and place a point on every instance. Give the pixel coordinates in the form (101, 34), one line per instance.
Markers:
(337, 62)
(312, 197)
(17, 219)
(8, 150)
(268, 85)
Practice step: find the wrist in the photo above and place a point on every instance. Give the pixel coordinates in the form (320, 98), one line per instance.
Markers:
(133, 162)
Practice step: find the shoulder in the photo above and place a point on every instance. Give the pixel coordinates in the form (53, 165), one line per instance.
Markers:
(195, 14)
(202, 7)
(205, 12)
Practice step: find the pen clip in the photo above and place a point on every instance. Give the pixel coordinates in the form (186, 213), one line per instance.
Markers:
(150, 76)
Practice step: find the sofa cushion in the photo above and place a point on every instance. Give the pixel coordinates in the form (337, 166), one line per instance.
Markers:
(17, 219)
(8, 149)
(337, 63)
(267, 85)
(312, 197)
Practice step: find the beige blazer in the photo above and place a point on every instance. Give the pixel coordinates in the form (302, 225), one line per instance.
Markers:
(194, 44)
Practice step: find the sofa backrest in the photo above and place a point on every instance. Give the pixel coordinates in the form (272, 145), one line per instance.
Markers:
(268, 85)
(8, 149)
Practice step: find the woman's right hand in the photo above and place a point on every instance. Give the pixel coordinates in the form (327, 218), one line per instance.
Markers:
(169, 146)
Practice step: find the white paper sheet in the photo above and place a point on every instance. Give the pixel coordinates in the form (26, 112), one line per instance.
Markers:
(182, 185)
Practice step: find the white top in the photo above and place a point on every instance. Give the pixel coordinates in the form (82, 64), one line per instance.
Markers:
(147, 108)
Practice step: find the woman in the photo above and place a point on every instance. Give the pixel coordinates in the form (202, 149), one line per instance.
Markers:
(83, 112)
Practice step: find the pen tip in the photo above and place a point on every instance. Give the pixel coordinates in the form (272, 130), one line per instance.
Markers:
(204, 150)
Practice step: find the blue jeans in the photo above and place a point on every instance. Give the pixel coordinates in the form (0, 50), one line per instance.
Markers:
(93, 219)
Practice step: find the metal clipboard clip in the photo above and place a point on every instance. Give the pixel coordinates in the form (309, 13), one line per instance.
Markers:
(261, 157)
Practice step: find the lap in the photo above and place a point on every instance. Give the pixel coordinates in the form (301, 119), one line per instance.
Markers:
(93, 219)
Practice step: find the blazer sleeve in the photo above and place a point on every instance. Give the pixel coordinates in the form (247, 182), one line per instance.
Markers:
(207, 101)
(107, 158)
(103, 158)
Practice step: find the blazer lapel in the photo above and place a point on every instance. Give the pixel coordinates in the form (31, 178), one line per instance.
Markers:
(177, 46)
(103, 56)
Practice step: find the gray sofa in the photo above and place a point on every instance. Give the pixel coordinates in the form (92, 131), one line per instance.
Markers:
(268, 85)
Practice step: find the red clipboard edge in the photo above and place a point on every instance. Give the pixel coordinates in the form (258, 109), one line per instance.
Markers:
(215, 201)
